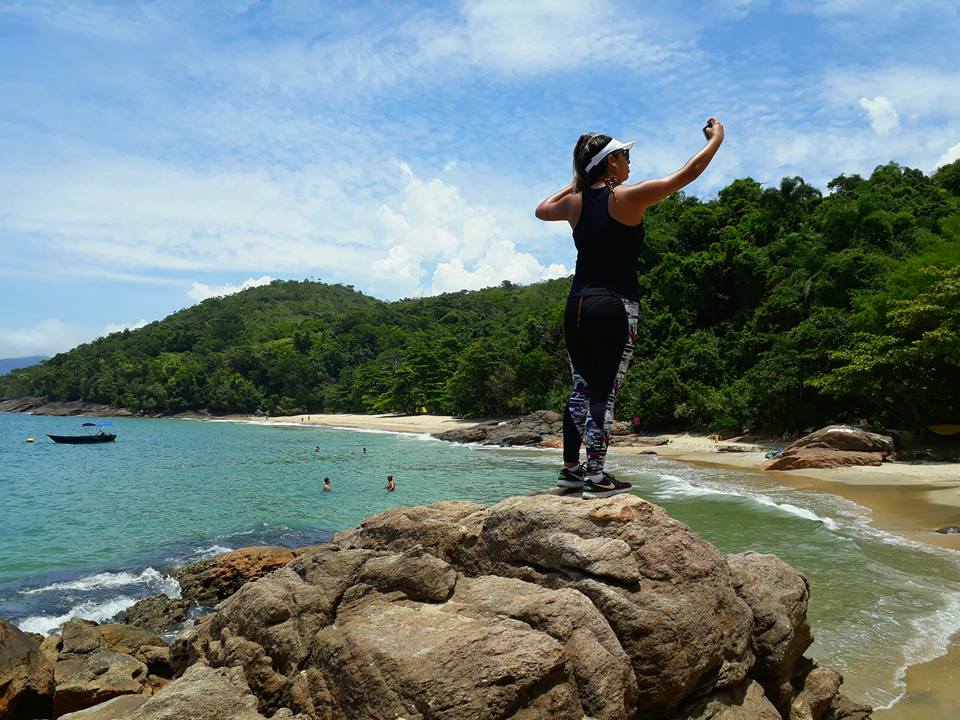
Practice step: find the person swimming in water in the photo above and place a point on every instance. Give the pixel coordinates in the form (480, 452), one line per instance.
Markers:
(326, 485)
(391, 485)
(602, 311)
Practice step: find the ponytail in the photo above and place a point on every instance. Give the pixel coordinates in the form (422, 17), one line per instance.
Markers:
(587, 146)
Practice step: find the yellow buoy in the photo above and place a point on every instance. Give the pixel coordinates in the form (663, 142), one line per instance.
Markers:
(29, 439)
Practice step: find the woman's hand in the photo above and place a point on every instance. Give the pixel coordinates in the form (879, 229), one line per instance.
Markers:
(713, 130)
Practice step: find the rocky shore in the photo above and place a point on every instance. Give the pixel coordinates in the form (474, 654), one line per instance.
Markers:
(540, 606)
(69, 408)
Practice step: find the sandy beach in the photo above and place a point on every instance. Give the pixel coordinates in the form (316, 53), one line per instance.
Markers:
(910, 500)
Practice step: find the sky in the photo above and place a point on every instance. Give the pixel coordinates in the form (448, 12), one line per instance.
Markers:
(153, 154)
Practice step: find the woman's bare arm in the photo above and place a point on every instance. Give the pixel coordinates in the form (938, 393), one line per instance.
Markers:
(647, 193)
(558, 206)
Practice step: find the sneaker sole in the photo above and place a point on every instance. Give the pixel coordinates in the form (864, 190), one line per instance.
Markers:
(597, 494)
(570, 484)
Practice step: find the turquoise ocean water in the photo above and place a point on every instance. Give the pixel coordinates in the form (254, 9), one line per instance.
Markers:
(87, 530)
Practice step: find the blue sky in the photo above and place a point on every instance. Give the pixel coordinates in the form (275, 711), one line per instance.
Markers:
(156, 153)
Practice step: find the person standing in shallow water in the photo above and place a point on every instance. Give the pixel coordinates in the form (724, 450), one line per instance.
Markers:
(600, 319)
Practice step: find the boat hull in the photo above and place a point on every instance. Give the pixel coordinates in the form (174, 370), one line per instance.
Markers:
(82, 439)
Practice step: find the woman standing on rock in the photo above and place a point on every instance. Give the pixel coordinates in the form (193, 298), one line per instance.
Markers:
(600, 321)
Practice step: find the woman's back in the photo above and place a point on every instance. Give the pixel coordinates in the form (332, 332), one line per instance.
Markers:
(607, 250)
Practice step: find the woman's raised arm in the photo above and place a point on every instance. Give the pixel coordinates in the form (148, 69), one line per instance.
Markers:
(649, 192)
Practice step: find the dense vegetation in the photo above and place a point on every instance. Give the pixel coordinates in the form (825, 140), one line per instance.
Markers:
(769, 308)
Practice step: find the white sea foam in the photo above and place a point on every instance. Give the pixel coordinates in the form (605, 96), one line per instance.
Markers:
(209, 552)
(794, 510)
(105, 580)
(98, 612)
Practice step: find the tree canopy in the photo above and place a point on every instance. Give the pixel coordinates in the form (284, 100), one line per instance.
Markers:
(772, 308)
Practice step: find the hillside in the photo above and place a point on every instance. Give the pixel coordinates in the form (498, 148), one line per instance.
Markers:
(772, 308)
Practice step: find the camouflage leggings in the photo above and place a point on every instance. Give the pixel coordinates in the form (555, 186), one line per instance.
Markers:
(600, 331)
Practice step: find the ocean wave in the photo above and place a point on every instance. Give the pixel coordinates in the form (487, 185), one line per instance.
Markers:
(98, 612)
(150, 577)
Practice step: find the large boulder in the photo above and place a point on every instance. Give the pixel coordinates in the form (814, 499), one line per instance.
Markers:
(778, 596)
(667, 595)
(157, 614)
(26, 675)
(539, 606)
(805, 458)
(210, 581)
(846, 437)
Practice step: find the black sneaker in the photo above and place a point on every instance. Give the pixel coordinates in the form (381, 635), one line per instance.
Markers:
(607, 486)
(571, 478)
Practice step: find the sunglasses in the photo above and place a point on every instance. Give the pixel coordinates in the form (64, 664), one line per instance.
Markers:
(624, 153)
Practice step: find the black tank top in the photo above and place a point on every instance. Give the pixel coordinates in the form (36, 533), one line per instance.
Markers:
(607, 250)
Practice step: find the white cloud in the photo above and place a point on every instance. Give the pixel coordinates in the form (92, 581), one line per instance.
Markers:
(952, 154)
(883, 115)
(52, 336)
(927, 92)
(431, 224)
(202, 291)
(120, 327)
(47, 337)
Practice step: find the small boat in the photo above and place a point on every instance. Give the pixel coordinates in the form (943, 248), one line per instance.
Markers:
(98, 437)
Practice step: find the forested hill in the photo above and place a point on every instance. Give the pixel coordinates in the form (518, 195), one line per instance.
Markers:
(770, 308)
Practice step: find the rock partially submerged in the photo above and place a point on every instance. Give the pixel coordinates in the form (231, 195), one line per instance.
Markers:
(157, 614)
(834, 446)
(210, 581)
(530, 429)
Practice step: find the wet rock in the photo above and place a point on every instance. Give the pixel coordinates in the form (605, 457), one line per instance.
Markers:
(157, 614)
(26, 675)
(949, 530)
(464, 435)
(520, 438)
(210, 581)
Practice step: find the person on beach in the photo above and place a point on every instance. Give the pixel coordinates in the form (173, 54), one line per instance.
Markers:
(600, 320)
(391, 485)
(326, 485)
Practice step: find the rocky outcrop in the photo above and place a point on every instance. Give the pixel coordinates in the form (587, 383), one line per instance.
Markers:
(812, 458)
(530, 429)
(26, 675)
(157, 614)
(209, 581)
(834, 446)
(539, 606)
(85, 666)
(847, 437)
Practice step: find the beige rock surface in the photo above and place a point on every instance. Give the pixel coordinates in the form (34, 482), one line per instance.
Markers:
(26, 675)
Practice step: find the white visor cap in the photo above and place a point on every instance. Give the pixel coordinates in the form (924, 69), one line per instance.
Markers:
(610, 147)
